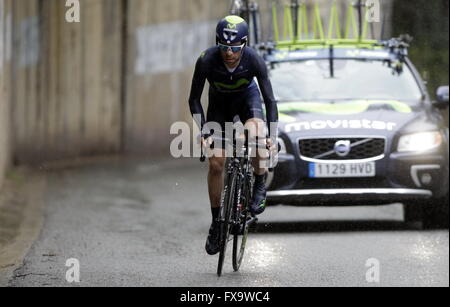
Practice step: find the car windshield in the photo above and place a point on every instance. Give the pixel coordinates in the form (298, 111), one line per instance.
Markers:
(353, 79)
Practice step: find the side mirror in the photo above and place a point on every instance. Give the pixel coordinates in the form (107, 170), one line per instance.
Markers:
(442, 97)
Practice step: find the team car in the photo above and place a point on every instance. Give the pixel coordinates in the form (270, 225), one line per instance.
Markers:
(358, 127)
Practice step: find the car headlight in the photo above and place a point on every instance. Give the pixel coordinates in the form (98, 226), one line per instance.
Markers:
(420, 141)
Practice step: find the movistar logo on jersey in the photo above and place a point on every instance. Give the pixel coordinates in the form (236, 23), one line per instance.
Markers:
(340, 124)
(237, 85)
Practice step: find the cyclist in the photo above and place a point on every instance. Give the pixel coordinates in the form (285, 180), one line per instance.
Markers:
(230, 68)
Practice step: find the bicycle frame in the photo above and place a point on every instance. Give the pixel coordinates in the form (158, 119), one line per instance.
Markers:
(234, 215)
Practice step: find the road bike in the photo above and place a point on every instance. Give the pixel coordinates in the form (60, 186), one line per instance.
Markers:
(235, 217)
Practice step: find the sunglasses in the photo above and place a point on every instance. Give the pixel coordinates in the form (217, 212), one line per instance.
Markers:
(234, 49)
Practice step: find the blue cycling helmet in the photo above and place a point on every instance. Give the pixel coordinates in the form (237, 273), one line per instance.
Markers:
(232, 29)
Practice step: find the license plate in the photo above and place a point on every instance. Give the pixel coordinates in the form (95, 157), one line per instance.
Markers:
(341, 170)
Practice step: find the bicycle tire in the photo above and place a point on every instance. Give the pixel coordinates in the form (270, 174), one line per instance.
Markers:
(226, 210)
(239, 244)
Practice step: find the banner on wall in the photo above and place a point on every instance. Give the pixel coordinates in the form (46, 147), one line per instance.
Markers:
(171, 47)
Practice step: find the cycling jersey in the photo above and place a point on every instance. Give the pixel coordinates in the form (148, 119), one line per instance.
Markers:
(227, 89)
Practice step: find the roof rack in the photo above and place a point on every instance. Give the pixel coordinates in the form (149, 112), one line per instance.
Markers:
(398, 45)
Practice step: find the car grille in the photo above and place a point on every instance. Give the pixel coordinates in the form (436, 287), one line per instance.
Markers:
(323, 149)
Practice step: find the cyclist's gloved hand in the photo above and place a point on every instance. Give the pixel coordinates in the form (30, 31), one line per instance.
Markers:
(274, 148)
(272, 144)
(206, 140)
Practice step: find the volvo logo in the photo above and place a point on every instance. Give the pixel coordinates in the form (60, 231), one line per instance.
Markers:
(342, 148)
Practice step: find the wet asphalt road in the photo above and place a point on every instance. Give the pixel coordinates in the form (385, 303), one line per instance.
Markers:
(145, 224)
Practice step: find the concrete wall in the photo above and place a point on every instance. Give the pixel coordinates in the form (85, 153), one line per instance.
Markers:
(114, 82)
(164, 40)
(5, 81)
(67, 87)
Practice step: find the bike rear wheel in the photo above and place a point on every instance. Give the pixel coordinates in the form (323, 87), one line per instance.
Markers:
(225, 218)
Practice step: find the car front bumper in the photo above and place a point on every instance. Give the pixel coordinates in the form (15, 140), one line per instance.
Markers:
(342, 197)
(399, 178)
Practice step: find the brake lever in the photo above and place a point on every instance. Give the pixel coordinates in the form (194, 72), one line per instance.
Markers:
(271, 169)
(205, 136)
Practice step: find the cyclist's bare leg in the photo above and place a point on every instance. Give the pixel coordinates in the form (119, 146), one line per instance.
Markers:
(215, 176)
(256, 128)
(215, 186)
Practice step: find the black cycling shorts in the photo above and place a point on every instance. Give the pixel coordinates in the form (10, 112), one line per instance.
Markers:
(241, 107)
(225, 108)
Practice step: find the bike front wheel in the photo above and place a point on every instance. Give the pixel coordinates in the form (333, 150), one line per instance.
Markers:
(240, 239)
(225, 218)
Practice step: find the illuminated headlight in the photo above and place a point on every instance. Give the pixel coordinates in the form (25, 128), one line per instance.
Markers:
(282, 146)
(420, 141)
